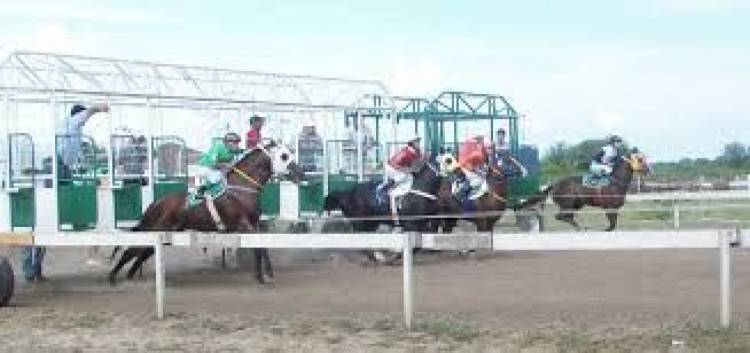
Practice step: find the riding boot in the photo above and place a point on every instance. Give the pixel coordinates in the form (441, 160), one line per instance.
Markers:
(382, 190)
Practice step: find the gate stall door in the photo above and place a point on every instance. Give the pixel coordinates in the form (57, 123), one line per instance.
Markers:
(169, 166)
(21, 181)
(79, 163)
(129, 161)
(310, 159)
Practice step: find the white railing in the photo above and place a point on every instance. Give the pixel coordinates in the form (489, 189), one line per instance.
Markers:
(720, 239)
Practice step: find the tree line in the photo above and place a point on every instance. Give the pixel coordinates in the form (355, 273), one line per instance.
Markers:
(564, 159)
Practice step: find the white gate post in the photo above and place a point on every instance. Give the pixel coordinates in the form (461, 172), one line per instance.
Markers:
(159, 269)
(725, 273)
(408, 280)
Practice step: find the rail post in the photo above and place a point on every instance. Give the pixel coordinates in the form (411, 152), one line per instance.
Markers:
(725, 273)
(159, 269)
(408, 279)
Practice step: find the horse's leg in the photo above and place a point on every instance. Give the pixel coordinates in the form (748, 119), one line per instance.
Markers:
(612, 217)
(115, 250)
(143, 256)
(268, 271)
(127, 255)
(568, 216)
(259, 265)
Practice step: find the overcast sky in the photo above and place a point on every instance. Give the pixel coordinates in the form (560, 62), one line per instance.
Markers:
(668, 75)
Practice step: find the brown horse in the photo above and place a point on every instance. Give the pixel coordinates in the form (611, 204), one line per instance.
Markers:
(238, 208)
(492, 203)
(571, 195)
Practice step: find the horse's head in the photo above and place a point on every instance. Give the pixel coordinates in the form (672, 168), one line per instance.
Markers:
(495, 175)
(637, 163)
(427, 176)
(257, 166)
(283, 163)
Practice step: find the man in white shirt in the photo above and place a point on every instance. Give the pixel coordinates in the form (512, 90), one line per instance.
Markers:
(71, 134)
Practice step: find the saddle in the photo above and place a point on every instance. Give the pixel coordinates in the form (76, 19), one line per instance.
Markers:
(213, 190)
(596, 181)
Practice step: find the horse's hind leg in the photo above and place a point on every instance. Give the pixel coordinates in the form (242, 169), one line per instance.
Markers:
(259, 275)
(127, 255)
(143, 256)
(568, 216)
(612, 217)
(268, 274)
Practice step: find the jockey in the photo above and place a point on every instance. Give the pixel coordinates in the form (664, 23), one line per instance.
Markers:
(502, 153)
(398, 168)
(220, 155)
(604, 160)
(473, 156)
(253, 137)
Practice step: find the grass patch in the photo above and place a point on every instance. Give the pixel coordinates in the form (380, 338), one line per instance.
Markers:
(447, 328)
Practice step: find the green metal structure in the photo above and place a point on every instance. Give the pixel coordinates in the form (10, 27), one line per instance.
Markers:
(169, 165)
(439, 121)
(76, 184)
(128, 161)
(21, 181)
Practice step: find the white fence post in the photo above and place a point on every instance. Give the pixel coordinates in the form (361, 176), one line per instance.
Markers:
(408, 280)
(725, 271)
(159, 269)
(675, 215)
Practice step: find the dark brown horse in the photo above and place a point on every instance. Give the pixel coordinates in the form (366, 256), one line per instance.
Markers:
(571, 195)
(238, 208)
(489, 207)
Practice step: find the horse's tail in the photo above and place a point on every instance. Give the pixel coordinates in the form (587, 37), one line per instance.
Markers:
(536, 199)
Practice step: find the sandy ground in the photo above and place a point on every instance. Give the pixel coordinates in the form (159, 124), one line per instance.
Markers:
(330, 302)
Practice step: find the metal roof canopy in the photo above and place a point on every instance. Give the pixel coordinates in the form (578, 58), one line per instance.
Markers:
(452, 105)
(32, 77)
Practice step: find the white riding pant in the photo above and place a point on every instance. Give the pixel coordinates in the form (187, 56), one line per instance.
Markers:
(475, 178)
(205, 175)
(600, 169)
(398, 177)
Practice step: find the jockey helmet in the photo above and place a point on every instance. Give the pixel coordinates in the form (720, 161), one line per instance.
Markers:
(231, 137)
(614, 139)
(77, 109)
(256, 118)
(414, 138)
(501, 131)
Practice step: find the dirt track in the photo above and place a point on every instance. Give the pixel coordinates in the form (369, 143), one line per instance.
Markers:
(591, 291)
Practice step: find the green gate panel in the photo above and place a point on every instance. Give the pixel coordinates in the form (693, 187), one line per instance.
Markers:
(76, 204)
(270, 204)
(164, 188)
(22, 210)
(522, 188)
(128, 202)
(341, 182)
(311, 197)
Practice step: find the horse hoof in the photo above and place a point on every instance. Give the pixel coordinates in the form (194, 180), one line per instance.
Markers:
(112, 280)
(268, 279)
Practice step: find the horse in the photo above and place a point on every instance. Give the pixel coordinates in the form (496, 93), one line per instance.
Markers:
(238, 208)
(571, 195)
(490, 206)
(359, 203)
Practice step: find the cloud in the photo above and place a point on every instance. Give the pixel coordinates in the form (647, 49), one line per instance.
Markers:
(699, 6)
(80, 11)
(52, 37)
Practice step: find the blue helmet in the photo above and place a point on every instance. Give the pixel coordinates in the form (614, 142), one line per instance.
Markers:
(77, 109)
